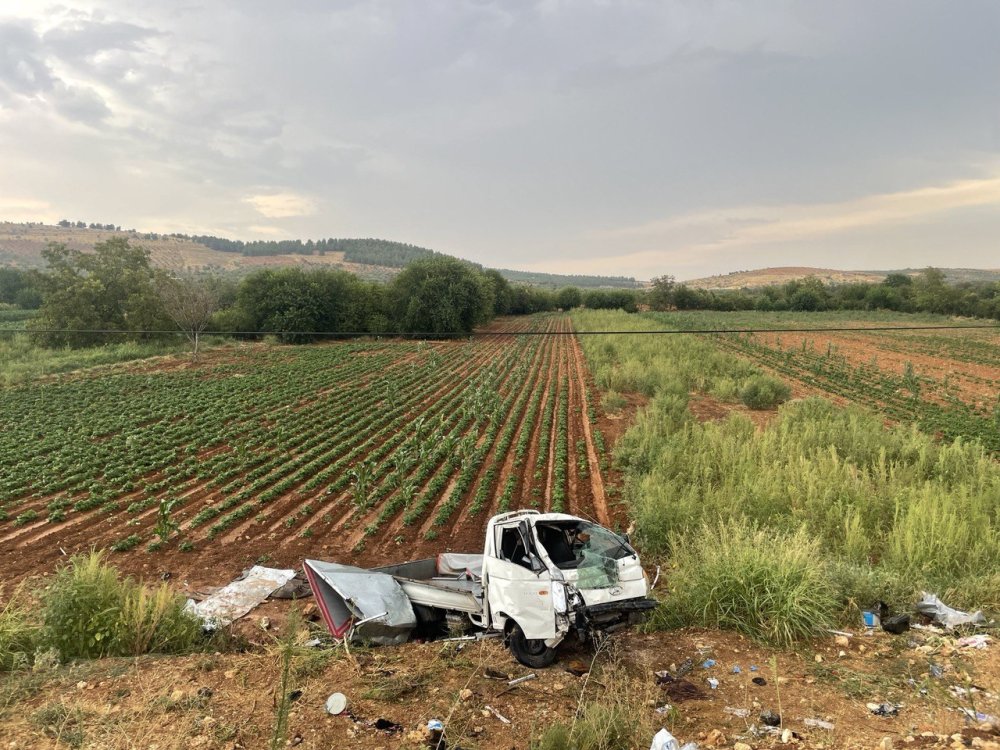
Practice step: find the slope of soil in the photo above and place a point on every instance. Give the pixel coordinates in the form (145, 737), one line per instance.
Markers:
(230, 700)
(769, 276)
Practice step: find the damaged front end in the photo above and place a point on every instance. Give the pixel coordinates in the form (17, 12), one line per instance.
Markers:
(603, 582)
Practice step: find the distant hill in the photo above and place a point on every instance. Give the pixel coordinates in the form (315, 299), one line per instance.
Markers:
(770, 276)
(956, 275)
(762, 277)
(22, 244)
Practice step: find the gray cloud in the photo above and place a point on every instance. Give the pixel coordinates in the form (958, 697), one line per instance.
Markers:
(22, 68)
(515, 133)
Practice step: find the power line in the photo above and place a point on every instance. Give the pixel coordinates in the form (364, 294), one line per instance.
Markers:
(487, 334)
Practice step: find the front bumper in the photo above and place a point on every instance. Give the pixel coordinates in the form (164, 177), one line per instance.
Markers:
(610, 616)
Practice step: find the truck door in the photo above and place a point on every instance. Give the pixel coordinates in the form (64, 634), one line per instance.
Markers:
(519, 585)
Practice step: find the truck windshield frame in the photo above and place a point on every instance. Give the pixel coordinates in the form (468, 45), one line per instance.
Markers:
(571, 544)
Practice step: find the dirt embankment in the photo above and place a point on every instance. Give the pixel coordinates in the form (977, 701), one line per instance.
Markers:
(231, 701)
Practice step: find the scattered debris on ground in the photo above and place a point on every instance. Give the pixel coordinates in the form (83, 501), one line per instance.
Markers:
(939, 693)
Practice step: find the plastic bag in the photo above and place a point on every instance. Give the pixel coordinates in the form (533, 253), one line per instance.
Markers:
(944, 615)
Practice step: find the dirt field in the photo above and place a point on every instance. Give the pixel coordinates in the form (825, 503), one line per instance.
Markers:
(965, 363)
(945, 382)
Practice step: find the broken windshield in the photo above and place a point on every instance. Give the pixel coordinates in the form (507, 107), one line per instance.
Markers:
(591, 550)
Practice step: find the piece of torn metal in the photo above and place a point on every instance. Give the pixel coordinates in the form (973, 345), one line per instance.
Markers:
(944, 615)
(234, 600)
(361, 604)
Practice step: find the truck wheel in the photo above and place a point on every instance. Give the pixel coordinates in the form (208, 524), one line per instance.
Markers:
(531, 652)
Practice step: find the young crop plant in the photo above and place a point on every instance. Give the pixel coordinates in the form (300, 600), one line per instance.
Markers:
(361, 478)
(165, 523)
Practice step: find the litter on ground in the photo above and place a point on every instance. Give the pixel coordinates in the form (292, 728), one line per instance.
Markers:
(239, 597)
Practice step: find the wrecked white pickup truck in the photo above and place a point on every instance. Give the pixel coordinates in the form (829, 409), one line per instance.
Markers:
(540, 576)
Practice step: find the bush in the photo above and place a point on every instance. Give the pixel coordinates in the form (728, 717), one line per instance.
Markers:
(766, 584)
(613, 401)
(17, 633)
(764, 392)
(90, 611)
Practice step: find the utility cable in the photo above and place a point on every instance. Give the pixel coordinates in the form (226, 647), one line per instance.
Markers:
(486, 334)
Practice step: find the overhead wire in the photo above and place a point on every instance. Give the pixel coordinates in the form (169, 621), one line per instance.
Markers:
(483, 333)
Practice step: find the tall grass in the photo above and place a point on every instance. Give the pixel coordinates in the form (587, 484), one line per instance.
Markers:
(885, 511)
(764, 392)
(89, 610)
(768, 584)
(927, 512)
(653, 365)
(18, 632)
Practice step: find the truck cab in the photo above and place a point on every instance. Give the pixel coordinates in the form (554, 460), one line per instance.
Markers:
(547, 574)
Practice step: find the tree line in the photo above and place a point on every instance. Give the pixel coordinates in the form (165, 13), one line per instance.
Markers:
(82, 295)
(115, 288)
(927, 291)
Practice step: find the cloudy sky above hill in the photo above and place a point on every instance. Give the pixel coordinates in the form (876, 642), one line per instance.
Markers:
(634, 138)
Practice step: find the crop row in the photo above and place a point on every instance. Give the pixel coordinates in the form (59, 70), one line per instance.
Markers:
(906, 397)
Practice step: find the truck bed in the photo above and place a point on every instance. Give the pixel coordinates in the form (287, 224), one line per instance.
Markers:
(423, 584)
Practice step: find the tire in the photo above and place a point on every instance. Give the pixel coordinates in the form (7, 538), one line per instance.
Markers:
(531, 652)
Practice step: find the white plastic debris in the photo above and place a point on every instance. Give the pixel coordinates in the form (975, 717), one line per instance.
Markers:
(663, 740)
(236, 599)
(944, 615)
(973, 641)
(818, 723)
(336, 704)
(497, 714)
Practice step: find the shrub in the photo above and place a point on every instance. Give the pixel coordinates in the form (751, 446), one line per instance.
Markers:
(769, 585)
(613, 401)
(17, 633)
(764, 392)
(90, 611)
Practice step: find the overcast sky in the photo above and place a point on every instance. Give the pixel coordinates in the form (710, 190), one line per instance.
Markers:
(633, 138)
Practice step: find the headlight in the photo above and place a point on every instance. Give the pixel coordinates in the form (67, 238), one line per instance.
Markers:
(559, 597)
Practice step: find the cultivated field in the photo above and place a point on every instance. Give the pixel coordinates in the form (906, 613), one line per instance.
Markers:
(945, 382)
(368, 451)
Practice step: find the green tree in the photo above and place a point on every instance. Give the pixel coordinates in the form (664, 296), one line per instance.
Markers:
(295, 303)
(610, 299)
(661, 296)
(686, 298)
(569, 297)
(883, 297)
(932, 294)
(808, 295)
(111, 288)
(503, 295)
(439, 295)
